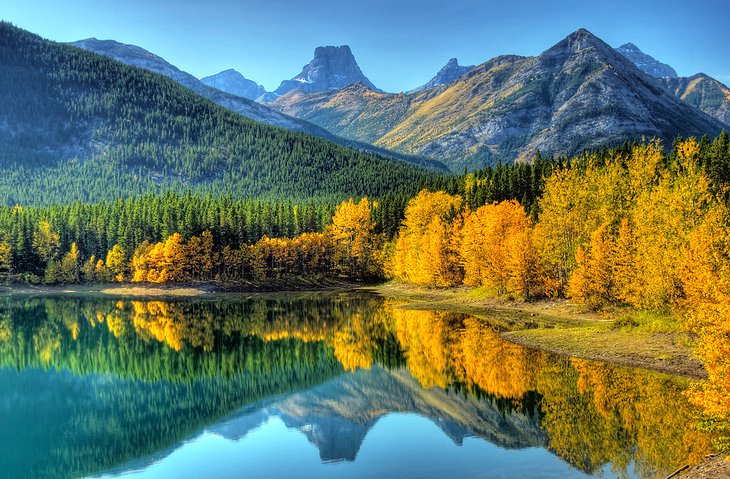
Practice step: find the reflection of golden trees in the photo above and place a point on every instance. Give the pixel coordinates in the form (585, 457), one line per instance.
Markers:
(424, 338)
(354, 344)
(487, 361)
(593, 413)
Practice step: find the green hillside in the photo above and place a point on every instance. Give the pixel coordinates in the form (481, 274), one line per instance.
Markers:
(78, 126)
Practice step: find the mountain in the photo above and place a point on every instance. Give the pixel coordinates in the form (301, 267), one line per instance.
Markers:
(139, 57)
(577, 95)
(332, 68)
(646, 63)
(231, 81)
(75, 125)
(450, 72)
(702, 92)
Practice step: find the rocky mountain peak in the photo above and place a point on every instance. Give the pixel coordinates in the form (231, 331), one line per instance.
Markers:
(331, 69)
(579, 41)
(233, 82)
(646, 63)
(450, 72)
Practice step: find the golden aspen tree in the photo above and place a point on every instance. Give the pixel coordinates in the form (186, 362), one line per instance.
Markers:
(174, 259)
(139, 263)
(485, 243)
(662, 219)
(575, 202)
(625, 274)
(6, 257)
(352, 233)
(199, 256)
(592, 280)
(68, 269)
(424, 251)
(706, 282)
(522, 264)
(116, 262)
(87, 270)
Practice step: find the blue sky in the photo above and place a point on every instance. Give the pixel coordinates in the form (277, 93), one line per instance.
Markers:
(399, 44)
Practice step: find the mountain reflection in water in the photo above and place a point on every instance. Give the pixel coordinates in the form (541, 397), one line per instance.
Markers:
(96, 386)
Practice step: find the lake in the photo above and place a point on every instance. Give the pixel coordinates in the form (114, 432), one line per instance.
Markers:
(316, 385)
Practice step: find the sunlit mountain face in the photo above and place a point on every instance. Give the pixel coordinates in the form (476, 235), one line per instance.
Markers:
(315, 385)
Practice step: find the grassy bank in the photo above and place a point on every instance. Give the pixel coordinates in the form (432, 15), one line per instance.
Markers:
(620, 336)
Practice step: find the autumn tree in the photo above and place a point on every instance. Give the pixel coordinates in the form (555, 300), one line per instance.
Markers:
(352, 233)
(425, 250)
(116, 262)
(6, 258)
(488, 246)
(593, 281)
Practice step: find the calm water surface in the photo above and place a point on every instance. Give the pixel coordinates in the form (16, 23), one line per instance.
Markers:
(315, 385)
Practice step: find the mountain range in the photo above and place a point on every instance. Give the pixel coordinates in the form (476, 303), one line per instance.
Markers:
(646, 63)
(579, 94)
(233, 82)
(75, 125)
(450, 72)
(469, 117)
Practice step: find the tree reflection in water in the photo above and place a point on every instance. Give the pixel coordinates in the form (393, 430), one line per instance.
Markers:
(123, 379)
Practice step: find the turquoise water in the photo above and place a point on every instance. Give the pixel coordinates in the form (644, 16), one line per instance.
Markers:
(320, 385)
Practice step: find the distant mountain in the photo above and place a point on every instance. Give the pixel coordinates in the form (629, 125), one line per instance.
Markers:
(703, 92)
(332, 68)
(450, 72)
(646, 63)
(139, 57)
(579, 94)
(75, 125)
(231, 81)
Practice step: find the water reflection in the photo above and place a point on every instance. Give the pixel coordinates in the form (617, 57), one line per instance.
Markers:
(91, 385)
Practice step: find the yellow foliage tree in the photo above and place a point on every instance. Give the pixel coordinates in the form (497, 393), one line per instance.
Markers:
(352, 234)
(116, 262)
(46, 241)
(488, 237)
(426, 251)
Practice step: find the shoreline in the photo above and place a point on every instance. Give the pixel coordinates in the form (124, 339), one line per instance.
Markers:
(562, 328)
(182, 290)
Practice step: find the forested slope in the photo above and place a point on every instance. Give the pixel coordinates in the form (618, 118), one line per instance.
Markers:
(78, 126)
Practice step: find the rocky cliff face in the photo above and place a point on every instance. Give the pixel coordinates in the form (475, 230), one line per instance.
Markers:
(701, 91)
(332, 68)
(450, 72)
(231, 81)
